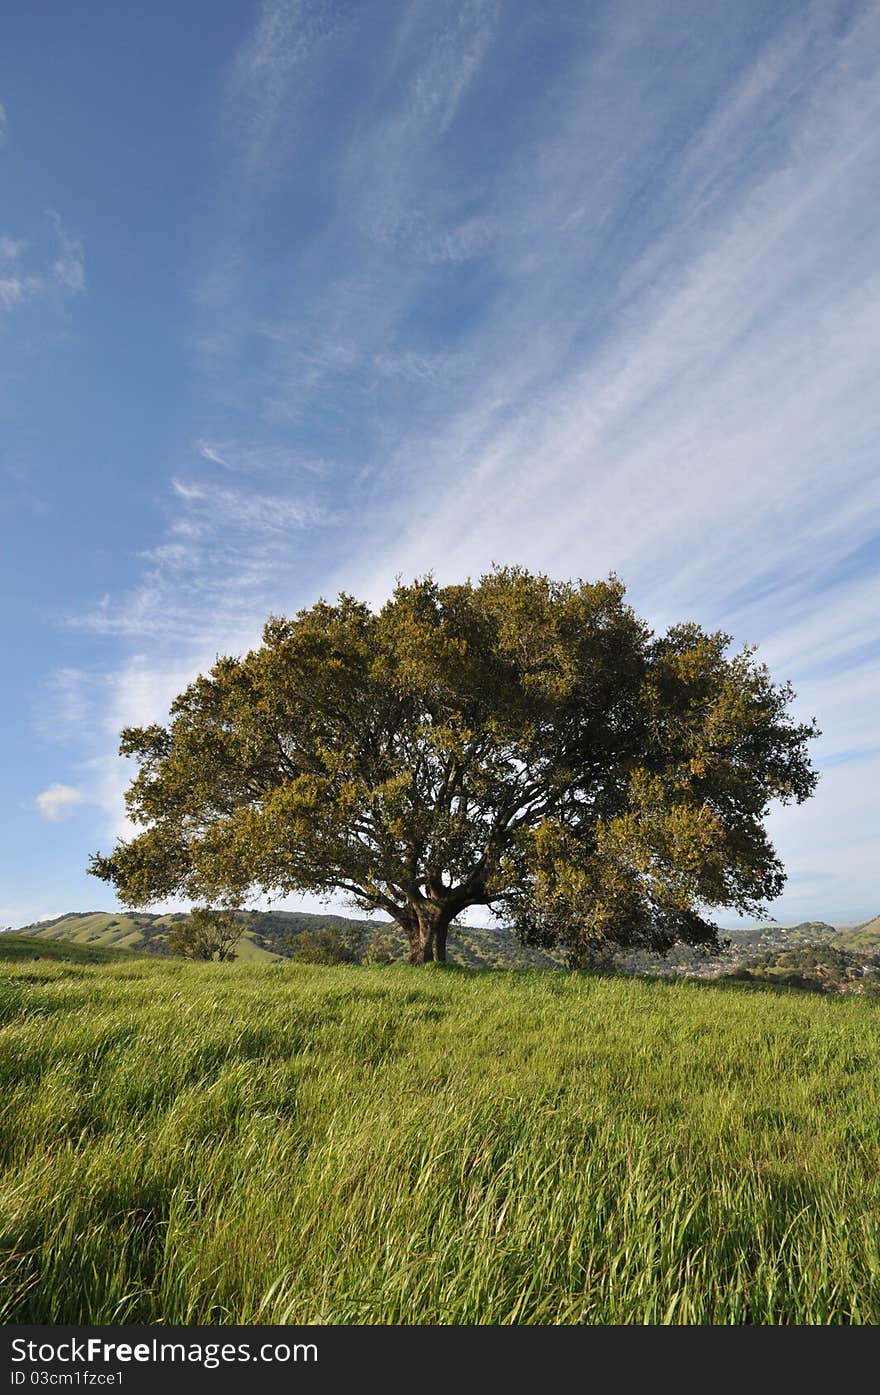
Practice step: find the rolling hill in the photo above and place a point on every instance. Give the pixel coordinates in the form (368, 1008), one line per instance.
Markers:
(861, 937)
(21, 948)
(271, 936)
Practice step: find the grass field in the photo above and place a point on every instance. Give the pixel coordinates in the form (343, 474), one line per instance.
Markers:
(247, 1143)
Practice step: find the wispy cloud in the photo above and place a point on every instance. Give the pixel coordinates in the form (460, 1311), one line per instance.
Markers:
(271, 78)
(64, 271)
(18, 290)
(210, 577)
(66, 703)
(689, 407)
(68, 266)
(11, 248)
(263, 458)
(58, 802)
(247, 510)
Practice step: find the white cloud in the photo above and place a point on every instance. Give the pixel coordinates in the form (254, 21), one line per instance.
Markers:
(213, 573)
(208, 452)
(58, 802)
(246, 509)
(65, 271)
(260, 458)
(18, 290)
(454, 61)
(3, 124)
(66, 703)
(11, 248)
(68, 267)
(272, 74)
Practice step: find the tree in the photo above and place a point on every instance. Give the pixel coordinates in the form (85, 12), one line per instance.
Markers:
(323, 946)
(519, 743)
(206, 934)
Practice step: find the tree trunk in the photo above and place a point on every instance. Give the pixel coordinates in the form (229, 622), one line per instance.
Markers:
(427, 934)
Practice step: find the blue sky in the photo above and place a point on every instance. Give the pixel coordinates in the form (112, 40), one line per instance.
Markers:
(296, 297)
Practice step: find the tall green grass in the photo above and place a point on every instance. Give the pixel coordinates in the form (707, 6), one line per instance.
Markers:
(291, 1144)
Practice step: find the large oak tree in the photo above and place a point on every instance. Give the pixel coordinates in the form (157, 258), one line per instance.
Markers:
(520, 743)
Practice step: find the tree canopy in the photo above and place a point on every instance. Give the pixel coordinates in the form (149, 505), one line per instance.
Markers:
(517, 743)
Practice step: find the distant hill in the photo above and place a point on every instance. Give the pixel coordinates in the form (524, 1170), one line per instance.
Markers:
(18, 948)
(862, 937)
(807, 932)
(271, 935)
(743, 944)
(821, 968)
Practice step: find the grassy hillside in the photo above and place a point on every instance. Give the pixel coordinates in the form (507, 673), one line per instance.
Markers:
(270, 936)
(862, 937)
(104, 929)
(277, 1143)
(266, 938)
(18, 948)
